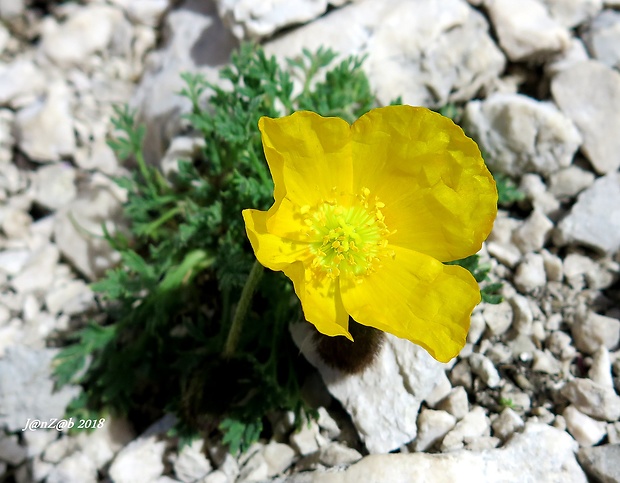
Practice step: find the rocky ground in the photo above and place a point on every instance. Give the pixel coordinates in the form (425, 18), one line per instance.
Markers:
(534, 394)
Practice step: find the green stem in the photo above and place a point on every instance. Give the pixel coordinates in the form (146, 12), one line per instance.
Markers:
(242, 308)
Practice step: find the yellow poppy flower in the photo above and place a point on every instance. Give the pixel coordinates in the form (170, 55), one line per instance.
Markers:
(365, 214)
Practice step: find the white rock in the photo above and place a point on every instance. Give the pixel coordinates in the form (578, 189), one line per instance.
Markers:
(9, 9)
(484, 369)
(44, 130)
(505, 253)
(592, 330)
(530, 274)
(12, 261)
(141, 461)
(278, 457)
(15, 222)
(540, 453)
(58, 450)
(429, 52)
(476, 327)
(522, 134)
(381, 407)
(327, 423)
(102, 444)
(11, 451)
(600, 369)
(545, 362)
(602, 37)
(507, 423)
(498, 317)
(20, 82)
(253, 467)
(54, 185)
(456, 403)
(37, 441)
(87, 30)
(251, 19)
(584, 429)
(432, 427)
(75, 468)
(570, 181)
(38, 274)
(336, 454)
(90, 255)
(536, 191)
(559, 343)
(71, 298)
(523, 317)
(589, 94)
(5, 315)
(581, 272)
(532, 235)
(27, 388)
(145, 12)
(216, 477)
(576, 52)
(474, 424)
(594, 219)
(525, 30)
(553, 266)
(442, 388)
(600, 402)
(308, 439)
(191, 464)
(570, 13)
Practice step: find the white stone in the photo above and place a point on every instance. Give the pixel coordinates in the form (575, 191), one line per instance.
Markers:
(327, 423)
(20, 82)
(54, 185)
(37, 441)
(559, 343)
(11, 451)
(522, 134)
(532, 235)
(15, 223)
(141, 461)
(584, 429)
(600, 402)
(102, 444)
(9, 9)
(145, 12)
(474, 424)
(336, 454)
(44, 130)
(429, 52)
(251, 19)
(484, 369)
(545, 362)
(88, 29)
(91, 255)
(75, 468)
(442, 388)
(253, 467)
(570, 13)
(308, 439)
(12, 261)
(570, 181)
(592, 330)
(594, 219)
(380, 403)
(602, 37)
(600, 369)
(456, 403)
(536, 191)
(582, 271)
(589, 94)
(523, 317)
(278, 457)
(216, 477)
(498, 317)
(507, 423)
(530, 274)
(72, 298)
(525, 29)
(576, 52)
(432, 427)
(191, 464)
(58, 450)
(476, 328)
(38, 274)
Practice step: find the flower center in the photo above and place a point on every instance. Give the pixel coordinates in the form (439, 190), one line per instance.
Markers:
(347, 238)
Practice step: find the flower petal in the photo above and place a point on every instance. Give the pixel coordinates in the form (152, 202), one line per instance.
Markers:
(439, 196)
(320, 301)
(416, 297)
(308, 156)
(271, 251)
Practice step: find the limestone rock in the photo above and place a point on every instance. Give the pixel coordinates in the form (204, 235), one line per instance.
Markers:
(602, 38)
(20, 82)
(473, 425)
(521, 134)
(429, 52)
(530, 274)
(526, 31)
(602, 463)
(593, 399)
(507, 423)
(257, 19)
(44, 130)
(570, 13)
(584, 429)
(141, 461)
(54, 185)
(589, 94)
(432, 427)
(592, 330)
(570, 181)
(380, 400)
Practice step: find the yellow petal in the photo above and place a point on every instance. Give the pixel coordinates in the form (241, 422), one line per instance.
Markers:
(308, 156)
(271, 251)
(416, 297)
(320, 300)
(438, 194)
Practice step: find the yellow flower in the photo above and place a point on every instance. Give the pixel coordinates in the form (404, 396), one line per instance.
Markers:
(365, 214)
